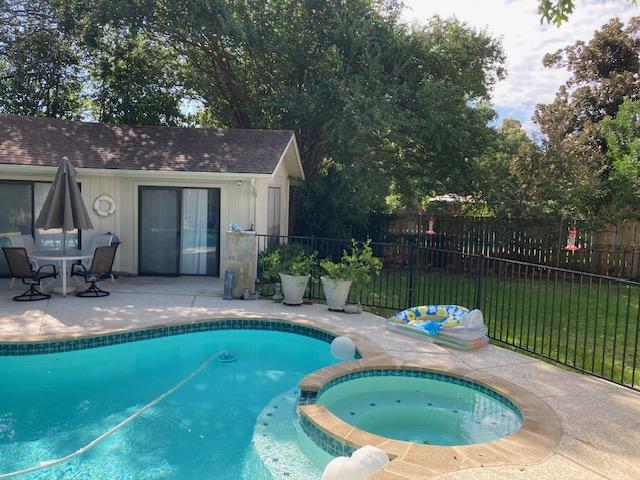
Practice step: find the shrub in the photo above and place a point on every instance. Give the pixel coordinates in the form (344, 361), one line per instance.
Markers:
(290, 258)
(359, 266)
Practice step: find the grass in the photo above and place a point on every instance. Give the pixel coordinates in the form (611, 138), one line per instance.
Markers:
(588, 323)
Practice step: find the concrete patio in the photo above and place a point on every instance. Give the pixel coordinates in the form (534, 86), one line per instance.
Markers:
(600, 421)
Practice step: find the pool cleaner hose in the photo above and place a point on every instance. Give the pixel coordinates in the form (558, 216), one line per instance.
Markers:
(49, 463)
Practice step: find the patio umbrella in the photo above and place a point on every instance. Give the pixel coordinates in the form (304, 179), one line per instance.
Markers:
(64, 207)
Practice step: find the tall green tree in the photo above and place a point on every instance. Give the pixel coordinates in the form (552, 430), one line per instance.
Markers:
(40, 65)
(622, 134)
(136, 79)
(604, 72)
(508, 180)
(372, 100)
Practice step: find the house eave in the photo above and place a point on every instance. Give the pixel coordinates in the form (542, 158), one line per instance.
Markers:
(106, 172)
(291, 144)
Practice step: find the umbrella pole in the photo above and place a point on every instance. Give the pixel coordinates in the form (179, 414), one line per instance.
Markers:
(64, 241)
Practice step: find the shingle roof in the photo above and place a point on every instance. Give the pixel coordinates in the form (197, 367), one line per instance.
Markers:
(43, 141)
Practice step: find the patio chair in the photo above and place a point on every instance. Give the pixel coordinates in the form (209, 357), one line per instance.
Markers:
(20, 267)
(101, 240)
(101, 269)
(25, 241)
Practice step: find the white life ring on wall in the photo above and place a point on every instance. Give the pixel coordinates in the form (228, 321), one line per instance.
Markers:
(104, 205)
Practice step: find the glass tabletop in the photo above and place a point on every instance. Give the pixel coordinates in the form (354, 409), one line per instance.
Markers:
(60, 255)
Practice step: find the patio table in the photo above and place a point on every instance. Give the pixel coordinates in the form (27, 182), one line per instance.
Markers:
(63, 258)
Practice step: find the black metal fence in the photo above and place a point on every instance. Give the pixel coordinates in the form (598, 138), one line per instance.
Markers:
(585, 321)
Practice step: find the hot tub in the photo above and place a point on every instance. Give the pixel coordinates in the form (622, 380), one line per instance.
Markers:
(421, 407)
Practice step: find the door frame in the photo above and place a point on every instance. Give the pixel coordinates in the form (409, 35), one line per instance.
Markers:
(179, 188)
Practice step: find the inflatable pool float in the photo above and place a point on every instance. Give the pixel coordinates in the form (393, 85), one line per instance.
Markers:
(449, 325)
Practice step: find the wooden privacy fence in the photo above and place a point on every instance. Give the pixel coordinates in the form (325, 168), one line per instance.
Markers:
(612, 249)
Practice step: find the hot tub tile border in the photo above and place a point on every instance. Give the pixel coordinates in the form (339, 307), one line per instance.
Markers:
(309, 397)
(328, 443)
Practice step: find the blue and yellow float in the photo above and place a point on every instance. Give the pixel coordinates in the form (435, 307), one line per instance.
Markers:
(449, 325)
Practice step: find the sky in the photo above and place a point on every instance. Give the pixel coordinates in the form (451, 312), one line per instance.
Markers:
(525, 41)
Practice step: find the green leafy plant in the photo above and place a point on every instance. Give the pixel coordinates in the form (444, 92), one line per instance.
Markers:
(359, 266)
(291, 259)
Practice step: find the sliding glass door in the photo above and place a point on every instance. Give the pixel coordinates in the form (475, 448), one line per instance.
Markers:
(179, 231)
(159, 231)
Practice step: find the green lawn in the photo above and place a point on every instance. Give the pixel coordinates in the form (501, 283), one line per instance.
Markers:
(588, 323)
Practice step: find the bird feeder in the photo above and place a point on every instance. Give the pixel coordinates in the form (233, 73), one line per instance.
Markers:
(431, 231)
(571, 240)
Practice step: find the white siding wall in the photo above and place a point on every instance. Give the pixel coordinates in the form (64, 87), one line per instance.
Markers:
(236, 206)
(281, 179)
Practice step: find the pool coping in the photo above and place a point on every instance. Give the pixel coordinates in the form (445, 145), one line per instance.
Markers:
(533, 442)
(536, 440)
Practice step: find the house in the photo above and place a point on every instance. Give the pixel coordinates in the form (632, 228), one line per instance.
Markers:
(167, 192)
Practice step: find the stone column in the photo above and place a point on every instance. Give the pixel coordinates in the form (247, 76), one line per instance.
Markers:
(242, 256)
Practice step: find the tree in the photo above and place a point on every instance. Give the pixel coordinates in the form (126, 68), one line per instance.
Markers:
(622, 134)
(604, 72)
(508, 183)
(559, 11)
(40, 72)
(372, 101)
(137, 80)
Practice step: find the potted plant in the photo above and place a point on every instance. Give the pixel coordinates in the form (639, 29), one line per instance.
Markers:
(357, 267)
(292, 264)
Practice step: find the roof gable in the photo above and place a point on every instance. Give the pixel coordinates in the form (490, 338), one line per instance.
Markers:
(43, 142)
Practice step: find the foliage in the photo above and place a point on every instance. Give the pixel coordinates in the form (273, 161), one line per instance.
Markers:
(604, 71)
(622, 134)
(40, 65)
(508, 180)
(372, 100)
(137, 80)
(558, 11)
(359, 265)
(290, 258)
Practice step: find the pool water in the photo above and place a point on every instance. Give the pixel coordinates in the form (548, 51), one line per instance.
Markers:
(229, 420)
(421, 410)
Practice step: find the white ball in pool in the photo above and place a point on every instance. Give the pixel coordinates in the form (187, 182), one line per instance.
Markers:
(343, 348)
(372, 459)
(344, 468)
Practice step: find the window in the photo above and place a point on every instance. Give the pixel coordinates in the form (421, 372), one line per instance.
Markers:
(20, 205)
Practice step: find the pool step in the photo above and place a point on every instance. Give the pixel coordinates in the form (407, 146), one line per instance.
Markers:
(280, 444)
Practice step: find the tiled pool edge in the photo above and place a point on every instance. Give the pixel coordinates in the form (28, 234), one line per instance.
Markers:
(410, 461)
(536, 440)
(118, 338)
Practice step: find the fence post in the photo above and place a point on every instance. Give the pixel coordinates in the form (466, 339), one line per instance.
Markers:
(478, 297)
(412, 271)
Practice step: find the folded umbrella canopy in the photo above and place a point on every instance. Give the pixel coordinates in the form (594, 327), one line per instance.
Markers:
(64, 207)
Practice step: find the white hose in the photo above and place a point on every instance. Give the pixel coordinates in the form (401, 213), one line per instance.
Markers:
(108, 433)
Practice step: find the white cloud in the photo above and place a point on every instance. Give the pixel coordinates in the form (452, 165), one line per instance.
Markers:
(525, 41)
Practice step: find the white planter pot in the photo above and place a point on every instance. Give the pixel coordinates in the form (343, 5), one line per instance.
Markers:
(336, 292)
(293, 288)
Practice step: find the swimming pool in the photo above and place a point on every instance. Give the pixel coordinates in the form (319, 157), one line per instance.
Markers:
(219, 419)
(421, 407)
